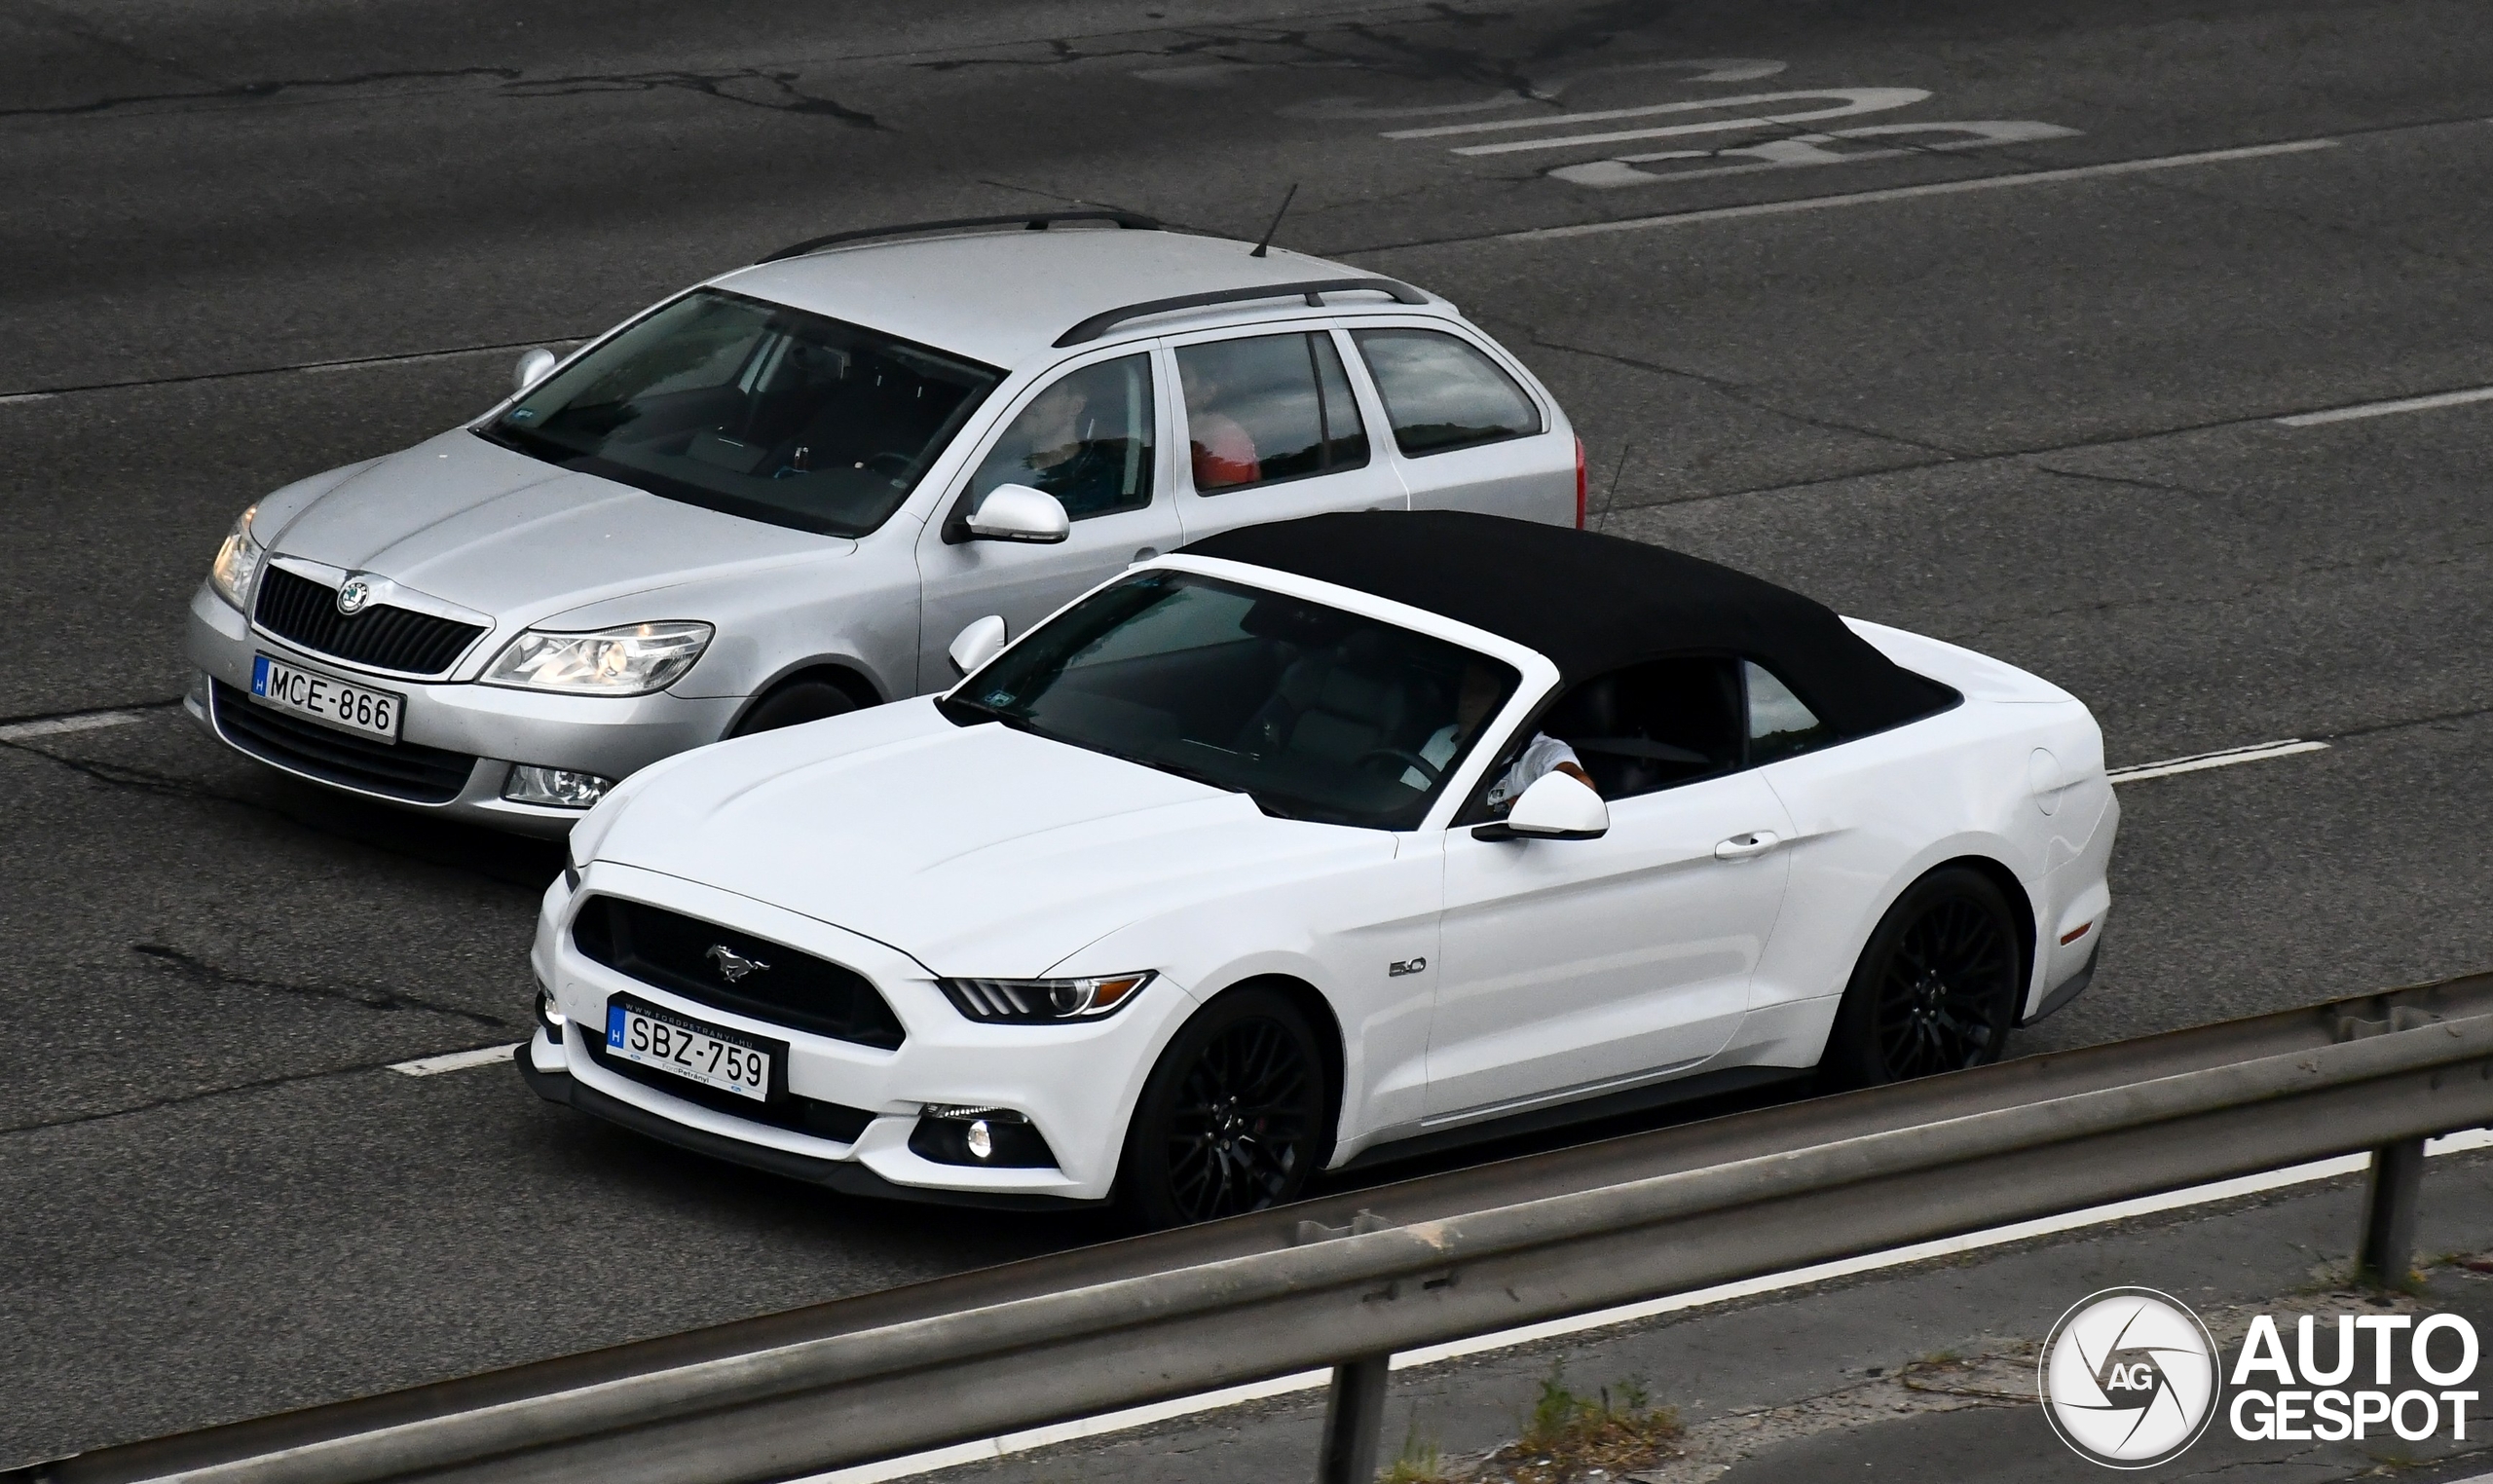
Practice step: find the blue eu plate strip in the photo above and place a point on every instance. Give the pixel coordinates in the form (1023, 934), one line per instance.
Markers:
(615, 1027)
(259, 674)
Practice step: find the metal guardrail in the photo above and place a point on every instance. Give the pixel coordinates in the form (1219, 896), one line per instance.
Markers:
(1347, 1281)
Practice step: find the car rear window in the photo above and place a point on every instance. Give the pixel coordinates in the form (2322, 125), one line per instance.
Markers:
(1267, 408)
(755, 409)
(1443, 394)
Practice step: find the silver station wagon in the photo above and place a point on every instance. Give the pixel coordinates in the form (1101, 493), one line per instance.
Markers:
(785, 493)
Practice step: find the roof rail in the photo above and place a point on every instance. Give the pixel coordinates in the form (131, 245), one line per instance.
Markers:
(1314, 288)
(1035, 221)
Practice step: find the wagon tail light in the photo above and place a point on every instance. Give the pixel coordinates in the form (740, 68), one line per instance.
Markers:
(1580, 484)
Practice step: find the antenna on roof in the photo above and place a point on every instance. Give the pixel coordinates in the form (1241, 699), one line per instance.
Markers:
(1267, 241)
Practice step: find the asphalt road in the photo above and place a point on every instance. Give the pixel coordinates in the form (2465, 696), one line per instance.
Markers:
(2023, 394)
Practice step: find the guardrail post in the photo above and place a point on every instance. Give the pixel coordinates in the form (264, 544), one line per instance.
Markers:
(2390, 1196)
(1354, 1420)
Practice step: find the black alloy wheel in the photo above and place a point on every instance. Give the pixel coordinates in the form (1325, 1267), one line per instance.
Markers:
(803, 699)
(1233, 1119)
(1937, 988)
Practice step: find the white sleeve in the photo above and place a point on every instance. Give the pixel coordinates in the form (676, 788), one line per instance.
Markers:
(1540, 758)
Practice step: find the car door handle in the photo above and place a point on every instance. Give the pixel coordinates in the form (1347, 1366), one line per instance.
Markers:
(1739, 847)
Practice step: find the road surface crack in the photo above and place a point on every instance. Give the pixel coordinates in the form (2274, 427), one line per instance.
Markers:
(521, 873)
(772, 88)
(180, 1099)
(1745, 395)
(370, 997)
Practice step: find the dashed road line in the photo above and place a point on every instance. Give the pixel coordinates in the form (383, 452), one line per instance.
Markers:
(988, 1449)
(2388, 408)
(341, 363)
(456, 1062)
(2256, 752)
(52, 726)
(1913, 192)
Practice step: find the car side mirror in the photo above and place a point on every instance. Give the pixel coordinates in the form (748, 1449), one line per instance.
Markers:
(1557, 807)
(976, 645)
(1016, 512)
(532, 368)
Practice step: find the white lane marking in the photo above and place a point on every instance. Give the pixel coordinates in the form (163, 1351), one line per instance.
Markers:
(367, 362)
(2385, 409)
(986, 1449)
(1850, 101)
(1908, 192)
(2227, 757)
(29, 397)
(52, 726)
(1803, 151)
(456, 1062)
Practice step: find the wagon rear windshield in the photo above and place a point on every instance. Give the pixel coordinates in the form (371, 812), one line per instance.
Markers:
(755, 409)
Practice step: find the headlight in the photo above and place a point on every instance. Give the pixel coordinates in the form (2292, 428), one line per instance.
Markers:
(1038, 1001)
(633, 660)
(237, 562)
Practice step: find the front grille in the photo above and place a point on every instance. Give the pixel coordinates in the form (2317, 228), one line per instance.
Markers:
(301, 611)
(782, 1110)
(672, 951)
(417, 775)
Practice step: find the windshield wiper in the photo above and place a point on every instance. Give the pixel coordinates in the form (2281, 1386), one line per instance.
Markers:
(1190, 774)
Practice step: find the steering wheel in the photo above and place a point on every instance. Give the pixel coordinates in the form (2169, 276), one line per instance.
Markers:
(1429, 770)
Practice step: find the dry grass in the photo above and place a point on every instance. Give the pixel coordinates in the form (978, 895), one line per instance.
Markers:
(1571, 1439)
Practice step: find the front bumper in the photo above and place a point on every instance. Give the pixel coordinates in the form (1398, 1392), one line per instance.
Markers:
(448, 726)
(1076, 1082)
(846, 1177)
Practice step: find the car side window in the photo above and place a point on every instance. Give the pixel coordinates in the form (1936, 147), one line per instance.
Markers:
(1086, 440)
(1267, 408)
(1442, 393)
(1779, 725)
(1653, 725)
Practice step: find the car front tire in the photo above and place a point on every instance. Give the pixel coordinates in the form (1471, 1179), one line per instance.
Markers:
(1936, 989)
(1233, 1118)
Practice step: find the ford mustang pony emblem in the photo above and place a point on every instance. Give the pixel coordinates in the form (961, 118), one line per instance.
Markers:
(733, 965)
(353, 595)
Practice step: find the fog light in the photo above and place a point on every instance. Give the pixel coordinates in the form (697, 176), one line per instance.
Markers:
(557, 787)
(968, 1133)
(550, 1016)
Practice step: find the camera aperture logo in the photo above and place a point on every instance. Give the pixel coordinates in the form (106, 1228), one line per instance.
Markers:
(2129, 1378)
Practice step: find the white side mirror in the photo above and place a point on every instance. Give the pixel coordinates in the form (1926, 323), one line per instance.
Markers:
(1016, 512)
(532, 368)
(1557, 807)
(978, 644)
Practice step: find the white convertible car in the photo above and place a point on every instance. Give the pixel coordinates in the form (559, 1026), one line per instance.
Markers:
(1332, 837)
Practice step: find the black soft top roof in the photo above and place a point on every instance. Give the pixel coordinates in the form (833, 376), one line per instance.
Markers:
(1590, 603)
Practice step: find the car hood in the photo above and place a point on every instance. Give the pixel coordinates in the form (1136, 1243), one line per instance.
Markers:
(497, 532)
(978, 851)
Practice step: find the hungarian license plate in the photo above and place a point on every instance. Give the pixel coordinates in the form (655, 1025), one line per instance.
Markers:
(325, 698)
(709, 1055)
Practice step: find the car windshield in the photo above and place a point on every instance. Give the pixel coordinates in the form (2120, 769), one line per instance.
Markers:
(1316, 713)
(755, 409)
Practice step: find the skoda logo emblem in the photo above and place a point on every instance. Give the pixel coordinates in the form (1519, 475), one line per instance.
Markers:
(352, 597)
(733, 965)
